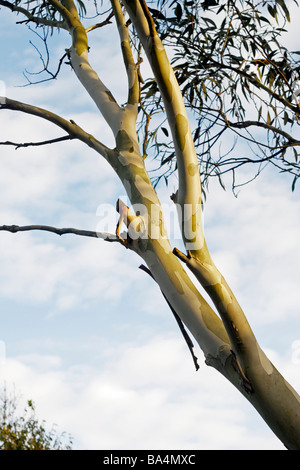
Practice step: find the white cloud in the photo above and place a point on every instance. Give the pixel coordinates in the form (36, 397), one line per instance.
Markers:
(254, 239)
(146, 397)
(69, 274)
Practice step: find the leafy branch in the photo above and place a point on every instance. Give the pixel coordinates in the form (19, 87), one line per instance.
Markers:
(230, 63)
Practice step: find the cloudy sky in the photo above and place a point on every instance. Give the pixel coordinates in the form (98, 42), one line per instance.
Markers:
(84, 333)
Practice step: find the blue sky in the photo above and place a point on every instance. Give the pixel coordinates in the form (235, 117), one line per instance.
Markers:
(87, 335)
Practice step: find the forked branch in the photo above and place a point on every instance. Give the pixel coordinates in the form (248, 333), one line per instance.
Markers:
(189, 190)
(70, 127)
(30, 17)
(100, 25)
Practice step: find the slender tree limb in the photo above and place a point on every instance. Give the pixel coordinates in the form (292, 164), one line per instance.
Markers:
(78, 55)
(37, 144)
(100, 25)
(70, 127)
(179, 322)
(66, 10)
(52, 76)
(31, 18)
(60, 231)
(257, 83)
(267, 58)
(239, 331)
(131, 69)
(276, 130)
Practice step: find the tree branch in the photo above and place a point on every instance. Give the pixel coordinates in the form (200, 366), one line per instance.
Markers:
(99, 25)
(238, 329)
(257, 83)
(78, 55)
(31, 18)
(72, 129)
(244, 124)
(36, 144)
(131, 69)
(188, 197)
(185, 334)
(60, 231)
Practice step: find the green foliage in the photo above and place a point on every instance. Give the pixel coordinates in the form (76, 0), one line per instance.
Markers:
(237, 79)
(43, 9)
(24, 431)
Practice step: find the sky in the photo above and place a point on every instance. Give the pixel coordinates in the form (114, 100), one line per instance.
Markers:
(84, 332)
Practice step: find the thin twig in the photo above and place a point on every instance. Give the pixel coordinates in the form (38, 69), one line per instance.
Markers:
(30, 17)
(99, 25)
(61, 231)
(179, 322)
(36, 144)
(70, 127)
(274, 129)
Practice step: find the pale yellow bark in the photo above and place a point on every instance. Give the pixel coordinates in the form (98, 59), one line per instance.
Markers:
(188, 196)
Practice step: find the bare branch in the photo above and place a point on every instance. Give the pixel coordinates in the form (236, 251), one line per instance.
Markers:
(70, 127)
(45, 63)
(185, 334)
(240, 125)
(99, 25)
(37, 144)
(60, 231)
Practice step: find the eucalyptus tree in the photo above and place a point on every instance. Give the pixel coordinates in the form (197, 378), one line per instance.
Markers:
(223, 331)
